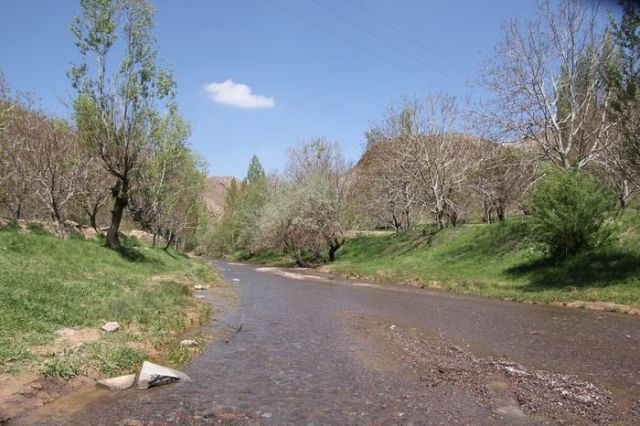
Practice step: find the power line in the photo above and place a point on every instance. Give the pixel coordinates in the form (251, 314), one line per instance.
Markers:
(393, 45)
(407, 36)
(348, 41)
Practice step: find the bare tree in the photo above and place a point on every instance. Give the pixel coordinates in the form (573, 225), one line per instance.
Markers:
(55, 165)
(503, 174)
(549, 86)
(431, 153)
(16, 188)
(386, 191)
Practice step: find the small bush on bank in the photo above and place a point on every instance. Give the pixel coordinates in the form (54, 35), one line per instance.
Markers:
(571, 212)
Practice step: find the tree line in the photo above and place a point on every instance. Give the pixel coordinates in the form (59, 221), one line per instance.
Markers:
(557, 142)
(125, 146)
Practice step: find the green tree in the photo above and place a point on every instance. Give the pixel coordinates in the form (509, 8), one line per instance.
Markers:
(249, 206)
(255, 172)
(626, 81)
(116, 105)
(571, 212)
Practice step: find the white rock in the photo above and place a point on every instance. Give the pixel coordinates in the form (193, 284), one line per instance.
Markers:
(118, 383)
(154, 375)
(200, 296)
(235, 280)
(266, 415)
(393, 327)
(515, 371)
(111, 326)
(199, 287)
(189, 342)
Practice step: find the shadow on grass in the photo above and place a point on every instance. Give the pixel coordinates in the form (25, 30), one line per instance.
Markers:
(132, 254)
(598, 269)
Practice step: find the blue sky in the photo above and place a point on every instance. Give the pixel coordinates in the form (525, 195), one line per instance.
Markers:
(311, 68)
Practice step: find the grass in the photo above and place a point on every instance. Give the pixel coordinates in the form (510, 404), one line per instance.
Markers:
(497, 260)
(48, 284)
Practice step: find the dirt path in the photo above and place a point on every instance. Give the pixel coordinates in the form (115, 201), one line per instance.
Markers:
(332, 351)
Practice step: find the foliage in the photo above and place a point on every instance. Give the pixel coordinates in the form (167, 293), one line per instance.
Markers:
(571, 212)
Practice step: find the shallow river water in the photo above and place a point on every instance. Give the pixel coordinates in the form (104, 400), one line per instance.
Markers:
(297, 360)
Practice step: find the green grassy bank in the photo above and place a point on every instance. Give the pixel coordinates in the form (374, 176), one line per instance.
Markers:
(47, 285)
(497, 260)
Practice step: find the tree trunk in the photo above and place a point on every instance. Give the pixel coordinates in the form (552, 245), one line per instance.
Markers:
(395, 223)
(334, 246)
(623, 194)
(438, 216)
(298, 257)
(501, 210)
(120, 201)
(61, 229)
(170, 240)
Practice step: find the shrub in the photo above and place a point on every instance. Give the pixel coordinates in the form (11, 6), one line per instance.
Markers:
(571, 212)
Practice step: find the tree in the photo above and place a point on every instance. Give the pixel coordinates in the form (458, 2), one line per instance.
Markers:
(549, 84)
(383, 187)
(17, 188)
(93, 191)
(502, 175)
(116, 106)
(422, 135)
(55, 165)
(308, 212)
(165, 163)
(255, 172)
(621, 167)
(319, 171)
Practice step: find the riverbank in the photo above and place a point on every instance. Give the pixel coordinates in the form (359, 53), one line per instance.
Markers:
(497, 260)
(56, 295)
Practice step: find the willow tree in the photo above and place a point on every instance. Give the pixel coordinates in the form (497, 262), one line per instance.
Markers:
(119, 90)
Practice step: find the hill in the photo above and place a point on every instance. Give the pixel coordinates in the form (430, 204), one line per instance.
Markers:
(215, 193)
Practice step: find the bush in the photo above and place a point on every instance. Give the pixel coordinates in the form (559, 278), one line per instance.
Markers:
(571, 212)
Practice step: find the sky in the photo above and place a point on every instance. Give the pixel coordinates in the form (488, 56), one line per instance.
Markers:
(259, 76)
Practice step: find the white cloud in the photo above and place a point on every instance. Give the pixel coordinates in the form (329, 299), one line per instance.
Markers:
(237, 94)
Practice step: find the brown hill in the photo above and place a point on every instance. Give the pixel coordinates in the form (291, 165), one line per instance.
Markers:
(215, 194)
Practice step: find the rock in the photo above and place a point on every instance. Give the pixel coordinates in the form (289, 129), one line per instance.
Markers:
(111, 326)
(154, 375)
(393, 327)
(266, 415)
(235, 280)
(199, 287)
(188, 342)
(118, 383)
(515, 371)
(200, 296)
